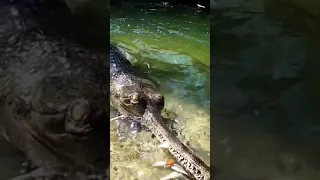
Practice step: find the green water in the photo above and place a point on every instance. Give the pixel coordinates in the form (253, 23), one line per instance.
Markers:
(173, 46)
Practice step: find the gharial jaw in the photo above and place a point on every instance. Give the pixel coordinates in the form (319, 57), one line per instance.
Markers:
(190, 164)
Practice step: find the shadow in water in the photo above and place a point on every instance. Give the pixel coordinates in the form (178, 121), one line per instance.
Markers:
(265, 91)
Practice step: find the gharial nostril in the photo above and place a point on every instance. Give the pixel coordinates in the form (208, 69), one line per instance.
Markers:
(80, 109)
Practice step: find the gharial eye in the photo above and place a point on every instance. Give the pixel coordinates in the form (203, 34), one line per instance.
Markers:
(80, 110)
(131, 99)
(134, 98)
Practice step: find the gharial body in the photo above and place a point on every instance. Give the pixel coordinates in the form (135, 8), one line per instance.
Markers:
(134, 96)
(53, 94)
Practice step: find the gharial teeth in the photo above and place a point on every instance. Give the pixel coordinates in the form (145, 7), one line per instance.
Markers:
(179, 169)
(171, 176)
(164, 145)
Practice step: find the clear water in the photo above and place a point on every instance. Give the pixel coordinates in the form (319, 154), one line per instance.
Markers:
(172, 45)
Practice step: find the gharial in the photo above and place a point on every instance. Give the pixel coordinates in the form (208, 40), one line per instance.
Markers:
(53, 94)
(135, 97)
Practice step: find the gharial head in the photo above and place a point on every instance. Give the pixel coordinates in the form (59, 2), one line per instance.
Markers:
(134, 100)
(80, 102)
(131, 93)
(69, 112)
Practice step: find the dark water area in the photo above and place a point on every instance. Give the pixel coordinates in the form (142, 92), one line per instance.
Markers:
(88, 26)
(265, 90)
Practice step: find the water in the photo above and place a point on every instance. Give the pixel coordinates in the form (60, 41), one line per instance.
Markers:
(265, 95)
(172, 44)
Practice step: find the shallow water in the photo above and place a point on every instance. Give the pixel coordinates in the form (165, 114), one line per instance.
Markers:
(266, 91)
(173, 46)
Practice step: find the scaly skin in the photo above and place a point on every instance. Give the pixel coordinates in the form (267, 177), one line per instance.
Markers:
(193, 164)
(53, 94)
(125, 83)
